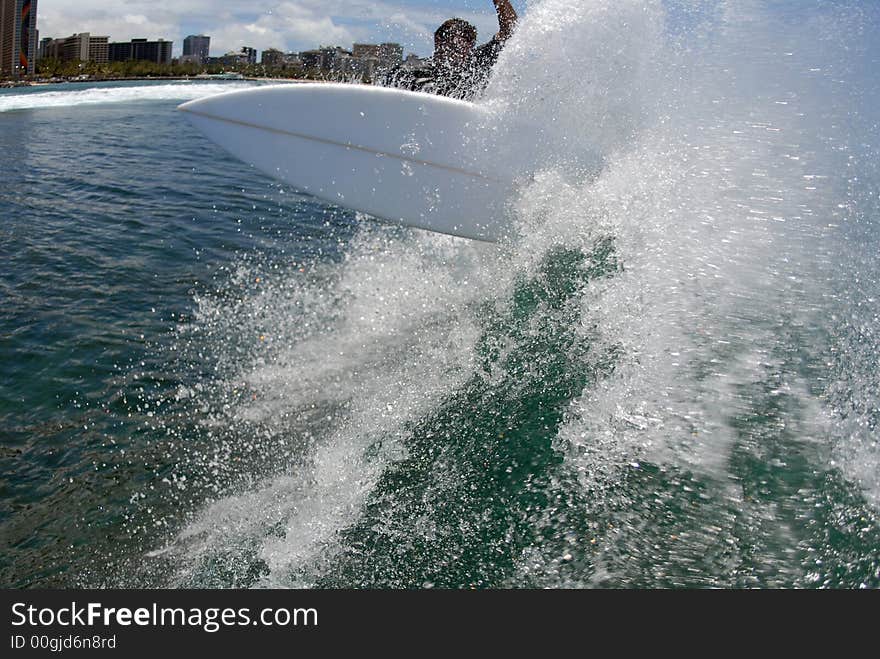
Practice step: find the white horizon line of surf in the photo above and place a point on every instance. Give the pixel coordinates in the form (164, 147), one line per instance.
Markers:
(170, 91)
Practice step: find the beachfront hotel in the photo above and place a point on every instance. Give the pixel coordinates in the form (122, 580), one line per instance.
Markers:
(81, 46)
(158, 52)
(18, 37)
(196, 47)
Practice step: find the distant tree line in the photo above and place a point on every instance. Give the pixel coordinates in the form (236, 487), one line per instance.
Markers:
(55, 68)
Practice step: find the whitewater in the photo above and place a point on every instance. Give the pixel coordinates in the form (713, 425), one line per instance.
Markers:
(686, 315)
(44, 96)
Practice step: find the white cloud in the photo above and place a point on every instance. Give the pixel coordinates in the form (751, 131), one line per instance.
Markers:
(278, 33)
(59, 19)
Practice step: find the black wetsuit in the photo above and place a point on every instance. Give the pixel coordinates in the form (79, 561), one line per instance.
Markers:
(465, 81)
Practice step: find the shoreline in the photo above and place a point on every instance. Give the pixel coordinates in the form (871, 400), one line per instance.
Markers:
(46, 83)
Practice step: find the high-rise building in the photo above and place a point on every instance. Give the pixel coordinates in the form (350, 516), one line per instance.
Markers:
(374, 57)
(197, 46)
(158, 51)
(82, 46)
(327, 57)
(390, 54)
(364, 50)
(244, 57)
(43, 49)
(312, 59)
(249, 54)
(18, 37)
(273, 58)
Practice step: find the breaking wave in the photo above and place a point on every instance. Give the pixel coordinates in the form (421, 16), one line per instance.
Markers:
(176, 91)
(669, 379)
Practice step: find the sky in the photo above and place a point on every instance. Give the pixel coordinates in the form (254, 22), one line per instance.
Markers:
(291, 25)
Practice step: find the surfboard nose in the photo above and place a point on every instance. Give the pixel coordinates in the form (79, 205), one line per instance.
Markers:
(411, 159)
(215, 100)
(191, 105)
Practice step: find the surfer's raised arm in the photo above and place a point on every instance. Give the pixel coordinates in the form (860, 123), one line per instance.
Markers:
(458, 66)
(506, 18)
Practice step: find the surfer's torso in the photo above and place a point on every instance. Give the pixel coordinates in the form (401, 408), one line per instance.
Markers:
(463, 81)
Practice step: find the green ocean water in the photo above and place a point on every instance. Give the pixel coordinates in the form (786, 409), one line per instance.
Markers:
(669, 378)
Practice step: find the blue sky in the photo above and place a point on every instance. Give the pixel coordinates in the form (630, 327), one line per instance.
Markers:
(290, 25)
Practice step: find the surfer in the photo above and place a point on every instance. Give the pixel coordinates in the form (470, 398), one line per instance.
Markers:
(458, 68)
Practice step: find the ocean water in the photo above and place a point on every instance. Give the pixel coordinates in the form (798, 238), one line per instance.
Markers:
(667, 377)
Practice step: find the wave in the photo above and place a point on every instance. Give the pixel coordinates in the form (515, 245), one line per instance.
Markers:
(179, 91)
(643, 390)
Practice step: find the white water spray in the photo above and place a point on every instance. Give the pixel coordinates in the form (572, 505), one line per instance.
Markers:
(722, 191)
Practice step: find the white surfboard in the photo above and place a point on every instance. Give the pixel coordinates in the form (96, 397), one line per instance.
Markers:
(415, 159)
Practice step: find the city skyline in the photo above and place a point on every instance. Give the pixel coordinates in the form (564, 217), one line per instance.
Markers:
(291, 26)
(360, 59)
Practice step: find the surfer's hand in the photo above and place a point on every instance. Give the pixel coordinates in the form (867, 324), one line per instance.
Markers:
(506, 18)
